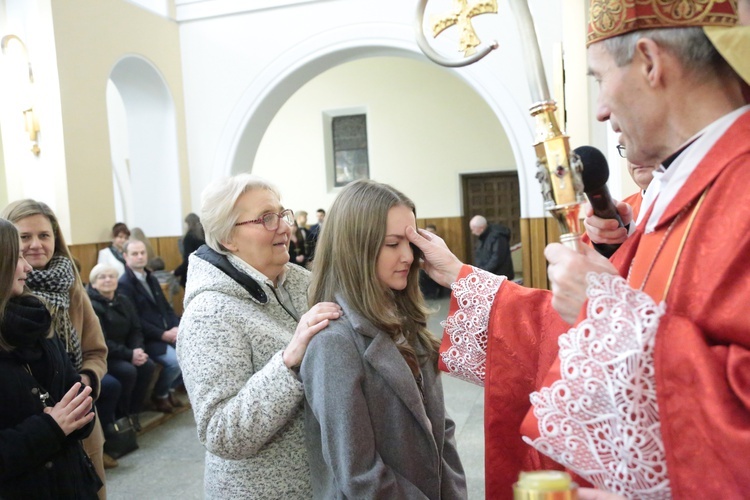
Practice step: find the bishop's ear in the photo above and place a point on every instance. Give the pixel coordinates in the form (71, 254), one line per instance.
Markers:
(650, 58)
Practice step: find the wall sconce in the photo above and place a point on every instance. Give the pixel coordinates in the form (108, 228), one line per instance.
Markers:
(23, 81)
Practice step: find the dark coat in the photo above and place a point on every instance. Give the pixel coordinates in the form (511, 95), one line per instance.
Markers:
(156, 315)
(190, 243)
(493, 251)
(120, 324)
(37, 460)
(312, 240)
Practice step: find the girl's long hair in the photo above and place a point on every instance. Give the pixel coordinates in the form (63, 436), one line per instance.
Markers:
(345, 264)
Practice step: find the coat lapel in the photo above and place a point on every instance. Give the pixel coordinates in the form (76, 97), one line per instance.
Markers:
(384, 357)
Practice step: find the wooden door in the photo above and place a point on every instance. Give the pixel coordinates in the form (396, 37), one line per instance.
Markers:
(496, 196)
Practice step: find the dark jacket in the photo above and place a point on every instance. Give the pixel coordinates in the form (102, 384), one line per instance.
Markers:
(156, 315)
(37, 460)
(312, 240)
(120, 324)
(493, 251)
(190, 243)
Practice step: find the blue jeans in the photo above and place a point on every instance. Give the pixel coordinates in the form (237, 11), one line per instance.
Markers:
(170, 376)
(109, 395)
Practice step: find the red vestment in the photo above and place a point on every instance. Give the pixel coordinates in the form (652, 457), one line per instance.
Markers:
(702, 343)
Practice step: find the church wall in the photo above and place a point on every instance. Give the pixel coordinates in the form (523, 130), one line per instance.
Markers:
(91, 36)
(247, 64)
(425, 127)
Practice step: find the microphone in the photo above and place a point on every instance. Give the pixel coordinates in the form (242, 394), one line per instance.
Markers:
(595, 175)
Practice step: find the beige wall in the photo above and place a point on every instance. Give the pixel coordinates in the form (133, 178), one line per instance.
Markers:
(425, 127)
(91, 36)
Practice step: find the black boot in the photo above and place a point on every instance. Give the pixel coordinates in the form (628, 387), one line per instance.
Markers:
(135, 420)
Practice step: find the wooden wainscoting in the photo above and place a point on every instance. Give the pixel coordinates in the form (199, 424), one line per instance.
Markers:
(166, 247)
(536, 234)
(453, 231)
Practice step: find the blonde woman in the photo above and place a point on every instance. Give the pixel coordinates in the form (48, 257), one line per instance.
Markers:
(375, 418)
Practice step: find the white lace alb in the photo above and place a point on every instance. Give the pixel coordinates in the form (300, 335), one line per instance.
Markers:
(467, 328)
(601, 420)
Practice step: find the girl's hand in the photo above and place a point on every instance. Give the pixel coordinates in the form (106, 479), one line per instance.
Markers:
(73, 411)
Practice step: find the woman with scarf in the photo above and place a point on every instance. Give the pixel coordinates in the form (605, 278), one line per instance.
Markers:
(55, 279)
(45, 410)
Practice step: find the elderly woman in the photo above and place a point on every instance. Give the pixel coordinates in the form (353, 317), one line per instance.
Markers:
(127, 360)
(55, 278)
(112, 255)
(242, 338)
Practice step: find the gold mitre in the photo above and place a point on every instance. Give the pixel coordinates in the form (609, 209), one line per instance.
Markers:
(610, 18)
(734, 46)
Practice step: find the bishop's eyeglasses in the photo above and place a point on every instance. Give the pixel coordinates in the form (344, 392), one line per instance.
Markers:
(271, 221)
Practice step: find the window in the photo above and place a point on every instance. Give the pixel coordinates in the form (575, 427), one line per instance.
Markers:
(350, 160)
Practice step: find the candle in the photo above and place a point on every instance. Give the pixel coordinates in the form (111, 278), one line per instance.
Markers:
(545, 485)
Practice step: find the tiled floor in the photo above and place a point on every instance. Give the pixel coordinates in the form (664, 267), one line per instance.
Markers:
(169, 463)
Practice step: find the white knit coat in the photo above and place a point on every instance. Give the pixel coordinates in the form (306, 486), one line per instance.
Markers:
(248, 405)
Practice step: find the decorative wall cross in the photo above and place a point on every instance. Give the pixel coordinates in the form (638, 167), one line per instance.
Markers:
(461, 15)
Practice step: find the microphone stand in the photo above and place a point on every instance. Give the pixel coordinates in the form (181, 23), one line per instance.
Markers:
(558, 169)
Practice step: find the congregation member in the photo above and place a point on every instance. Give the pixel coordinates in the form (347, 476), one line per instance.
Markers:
(608, 231)
(55, 279)
(192, 240)
(314, 233)
(159, 323)
(46, 410)
(297, 246)
(112, 255)
(374, 410)
(658, 353)
(243, 336)
(492, 252)
(127, 359)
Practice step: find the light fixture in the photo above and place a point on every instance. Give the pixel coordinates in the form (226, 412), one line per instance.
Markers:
(23, 82)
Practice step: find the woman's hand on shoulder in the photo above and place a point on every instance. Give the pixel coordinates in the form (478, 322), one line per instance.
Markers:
(73, 411)
(309, 324)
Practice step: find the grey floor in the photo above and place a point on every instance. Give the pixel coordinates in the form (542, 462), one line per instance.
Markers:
(169, 463)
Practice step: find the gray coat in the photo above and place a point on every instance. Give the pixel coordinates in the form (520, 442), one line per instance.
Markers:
(247, 403)
(368, 433)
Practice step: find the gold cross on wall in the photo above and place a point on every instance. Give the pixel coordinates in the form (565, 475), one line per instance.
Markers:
(461, 16)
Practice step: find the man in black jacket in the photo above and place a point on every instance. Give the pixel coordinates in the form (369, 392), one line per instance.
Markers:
(158, 320)
(493, 248)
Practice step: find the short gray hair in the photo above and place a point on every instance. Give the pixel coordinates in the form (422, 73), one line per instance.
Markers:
(218, 200)
(690, 46)
(99, 269)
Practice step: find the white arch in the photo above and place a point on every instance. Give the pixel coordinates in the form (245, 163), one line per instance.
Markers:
(145, 159)
(262, 99)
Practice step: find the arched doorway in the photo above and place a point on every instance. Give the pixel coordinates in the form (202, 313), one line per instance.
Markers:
(143, 140)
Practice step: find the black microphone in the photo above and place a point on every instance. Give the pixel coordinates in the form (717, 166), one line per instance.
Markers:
(595, 176)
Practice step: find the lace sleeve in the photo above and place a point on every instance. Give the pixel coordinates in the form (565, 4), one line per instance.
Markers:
(466, 326)
(601, 418)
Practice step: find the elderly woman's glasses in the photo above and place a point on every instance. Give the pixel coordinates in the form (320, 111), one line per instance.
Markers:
(621, 151)
(271, 221)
